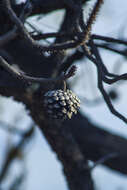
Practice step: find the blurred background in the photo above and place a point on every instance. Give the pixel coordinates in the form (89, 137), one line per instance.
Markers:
(36, 165)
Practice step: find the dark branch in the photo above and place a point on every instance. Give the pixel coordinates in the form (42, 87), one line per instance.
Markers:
(96, 143)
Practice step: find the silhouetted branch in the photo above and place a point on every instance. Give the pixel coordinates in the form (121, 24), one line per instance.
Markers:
(96, 143)
(103, 160)
(78, 140)
(40, 80)
(13, 152)
(109, 39)
(18, 182)
(11, 129)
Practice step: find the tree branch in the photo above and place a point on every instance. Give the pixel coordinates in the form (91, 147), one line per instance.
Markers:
(96, 143)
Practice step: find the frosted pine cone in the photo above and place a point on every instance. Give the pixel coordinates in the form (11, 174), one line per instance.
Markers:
(60, 104)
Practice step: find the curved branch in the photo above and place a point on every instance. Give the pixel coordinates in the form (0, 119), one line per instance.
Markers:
(96, 143)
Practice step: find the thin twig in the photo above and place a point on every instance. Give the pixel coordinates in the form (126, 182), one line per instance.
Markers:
(109, 39)
(103, 160)
(12, 34)
(107, 47)
(12, 129)
(101, 72)
(13, 152)
(40, 80)
(88, 26)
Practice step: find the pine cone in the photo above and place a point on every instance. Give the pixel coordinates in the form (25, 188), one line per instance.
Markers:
(60, 104)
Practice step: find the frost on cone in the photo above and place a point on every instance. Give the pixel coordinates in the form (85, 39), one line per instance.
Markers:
(60, 104)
